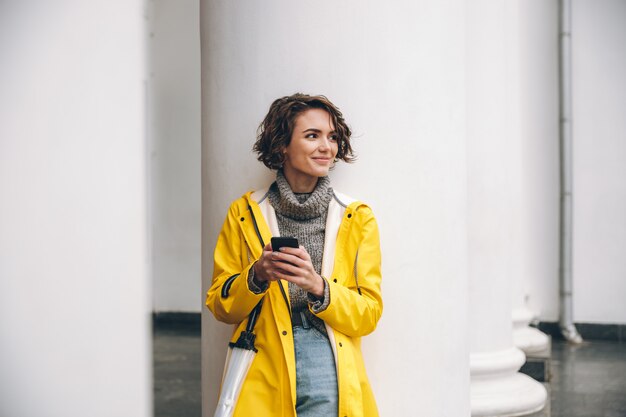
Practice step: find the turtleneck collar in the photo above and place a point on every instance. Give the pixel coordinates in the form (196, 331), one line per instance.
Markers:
(285, 202)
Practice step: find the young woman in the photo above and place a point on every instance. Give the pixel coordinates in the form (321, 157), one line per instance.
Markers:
(318, 299)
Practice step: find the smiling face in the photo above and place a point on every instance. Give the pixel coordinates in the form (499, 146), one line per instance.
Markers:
(311, 151)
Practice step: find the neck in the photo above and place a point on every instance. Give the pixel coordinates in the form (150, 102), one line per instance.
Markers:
(300, 183)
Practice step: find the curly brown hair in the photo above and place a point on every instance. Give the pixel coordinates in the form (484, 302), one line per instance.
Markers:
(274, 133)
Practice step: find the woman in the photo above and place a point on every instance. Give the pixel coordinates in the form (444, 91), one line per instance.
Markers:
(318, 299)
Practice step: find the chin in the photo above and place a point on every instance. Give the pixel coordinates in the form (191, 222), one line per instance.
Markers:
(321, 172)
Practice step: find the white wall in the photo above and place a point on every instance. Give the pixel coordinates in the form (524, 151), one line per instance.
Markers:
(74, 292)
(174, 131)
(599, 123)
(599, 229)
(599, 132)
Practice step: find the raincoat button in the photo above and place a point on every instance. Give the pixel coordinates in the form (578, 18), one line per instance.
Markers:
(349, 215)
(284, 332)
(340, 345)
(242, 219)
(335, 280)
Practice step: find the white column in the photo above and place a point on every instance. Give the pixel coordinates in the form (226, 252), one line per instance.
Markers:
(397, 72)
(539, 126)
(74, 291)
(497, 389)
(532, 65)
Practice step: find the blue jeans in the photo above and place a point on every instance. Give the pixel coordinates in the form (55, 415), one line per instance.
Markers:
(316, 375)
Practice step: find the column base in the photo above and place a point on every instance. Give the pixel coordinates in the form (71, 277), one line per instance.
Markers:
(528, 339)
(498, 390)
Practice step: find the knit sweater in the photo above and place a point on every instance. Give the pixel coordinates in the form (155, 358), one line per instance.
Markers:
(303, 216)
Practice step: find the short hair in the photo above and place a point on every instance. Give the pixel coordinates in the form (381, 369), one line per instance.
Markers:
(275, 131)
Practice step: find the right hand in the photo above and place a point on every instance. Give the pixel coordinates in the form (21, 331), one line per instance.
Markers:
(266, 268)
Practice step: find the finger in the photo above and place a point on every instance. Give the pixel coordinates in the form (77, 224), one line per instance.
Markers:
(288, 269)
(267, 250)
(299, 252)
(305, 254)
(288, 258)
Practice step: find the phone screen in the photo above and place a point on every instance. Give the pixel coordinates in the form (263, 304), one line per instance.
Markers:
(283, 241)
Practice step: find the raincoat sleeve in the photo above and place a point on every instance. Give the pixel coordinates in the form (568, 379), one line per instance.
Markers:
(229, 298)
(350, 312)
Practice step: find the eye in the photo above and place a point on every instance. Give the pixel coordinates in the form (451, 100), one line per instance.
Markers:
(311, 136)
(334, 138)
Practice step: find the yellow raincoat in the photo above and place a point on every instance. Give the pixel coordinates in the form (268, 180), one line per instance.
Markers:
(351, 265)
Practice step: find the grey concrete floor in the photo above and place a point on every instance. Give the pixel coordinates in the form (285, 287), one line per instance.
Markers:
(176, 356)
(586, 381)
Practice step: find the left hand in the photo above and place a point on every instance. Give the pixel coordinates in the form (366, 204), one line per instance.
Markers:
(294, 265)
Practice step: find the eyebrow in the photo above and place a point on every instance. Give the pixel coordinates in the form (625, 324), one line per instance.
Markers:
(312, 129)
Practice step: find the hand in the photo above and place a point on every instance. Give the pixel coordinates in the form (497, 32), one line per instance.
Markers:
(291, 264)
(265, 268)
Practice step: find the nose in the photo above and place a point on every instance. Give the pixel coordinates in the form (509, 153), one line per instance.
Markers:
(324, 144)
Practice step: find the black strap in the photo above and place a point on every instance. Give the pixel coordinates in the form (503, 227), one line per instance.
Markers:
(256, 311)
(256, 228)
(254, 316)
(280, 285)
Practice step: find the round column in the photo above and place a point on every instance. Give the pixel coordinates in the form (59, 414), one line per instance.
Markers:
(403, 94)
(539, 125)
(74, 258)
(494, 212)
(530, 28)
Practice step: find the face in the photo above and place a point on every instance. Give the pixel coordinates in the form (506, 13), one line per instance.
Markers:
(313, 146)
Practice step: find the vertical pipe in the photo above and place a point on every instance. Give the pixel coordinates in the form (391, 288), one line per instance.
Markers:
(565, 137)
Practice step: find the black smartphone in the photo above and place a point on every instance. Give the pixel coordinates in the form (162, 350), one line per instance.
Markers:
(284, 242)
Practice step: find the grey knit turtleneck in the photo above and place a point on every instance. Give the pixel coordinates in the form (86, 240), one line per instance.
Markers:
(303, 216)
